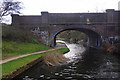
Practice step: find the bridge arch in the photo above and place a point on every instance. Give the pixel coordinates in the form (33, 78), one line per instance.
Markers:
(94, 37)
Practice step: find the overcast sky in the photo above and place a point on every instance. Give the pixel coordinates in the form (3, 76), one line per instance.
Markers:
(34, 7)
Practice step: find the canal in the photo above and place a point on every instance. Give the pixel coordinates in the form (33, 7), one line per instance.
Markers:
(84, 64)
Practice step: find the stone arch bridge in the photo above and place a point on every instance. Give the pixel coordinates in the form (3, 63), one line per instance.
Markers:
(98, 26)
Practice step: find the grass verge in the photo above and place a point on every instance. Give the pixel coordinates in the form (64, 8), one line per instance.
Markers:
(10, 48)
(11, 66)
(61, 42)
(62, 50)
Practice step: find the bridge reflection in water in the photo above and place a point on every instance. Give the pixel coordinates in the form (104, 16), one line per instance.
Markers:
(90, 64)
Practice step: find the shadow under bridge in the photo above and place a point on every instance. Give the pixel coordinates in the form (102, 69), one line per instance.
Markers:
(94, 39)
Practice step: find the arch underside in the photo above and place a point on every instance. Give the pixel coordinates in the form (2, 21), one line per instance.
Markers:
(94, 37)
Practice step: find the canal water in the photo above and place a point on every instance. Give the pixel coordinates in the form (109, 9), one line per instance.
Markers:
(84, 64)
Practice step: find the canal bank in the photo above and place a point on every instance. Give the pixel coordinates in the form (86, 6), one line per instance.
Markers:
(111, 49)
(91, 64)
(27, 66)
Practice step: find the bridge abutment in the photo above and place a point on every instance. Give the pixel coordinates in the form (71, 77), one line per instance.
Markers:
(94, 41)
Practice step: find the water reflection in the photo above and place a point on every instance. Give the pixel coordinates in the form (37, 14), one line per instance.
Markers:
(76, 50)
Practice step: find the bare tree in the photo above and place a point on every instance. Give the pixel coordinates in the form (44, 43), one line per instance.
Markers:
(9, 7)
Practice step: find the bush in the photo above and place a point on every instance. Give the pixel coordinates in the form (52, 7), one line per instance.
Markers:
(10, 33)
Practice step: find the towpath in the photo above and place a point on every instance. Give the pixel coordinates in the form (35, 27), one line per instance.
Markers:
(20, 56)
